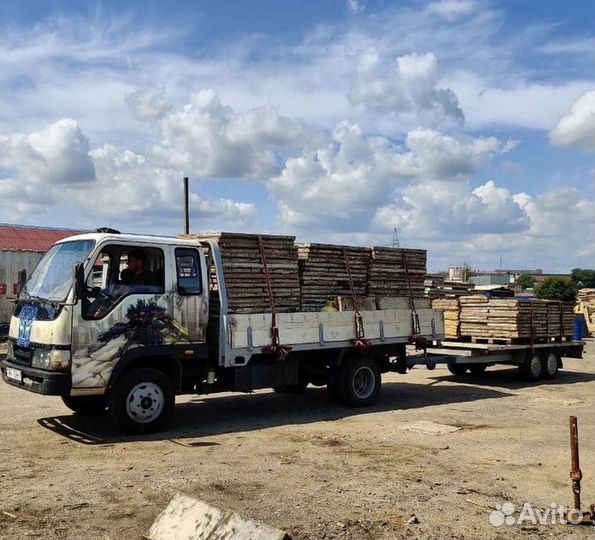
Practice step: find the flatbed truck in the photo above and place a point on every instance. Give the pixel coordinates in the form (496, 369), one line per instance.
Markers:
(82, 330)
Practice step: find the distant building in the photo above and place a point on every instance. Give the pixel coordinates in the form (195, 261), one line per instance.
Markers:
(456, 273)
(492, 278)
(21, 248)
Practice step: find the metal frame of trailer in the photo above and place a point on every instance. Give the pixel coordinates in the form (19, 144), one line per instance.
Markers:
(461, 353)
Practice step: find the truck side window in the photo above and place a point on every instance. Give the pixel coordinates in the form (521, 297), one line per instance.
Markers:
(119, 271)
(188, 270)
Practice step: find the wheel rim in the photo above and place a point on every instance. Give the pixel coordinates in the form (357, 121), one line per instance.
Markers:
(364, 382)
(145, 402)
(551, 364)
(535, 366)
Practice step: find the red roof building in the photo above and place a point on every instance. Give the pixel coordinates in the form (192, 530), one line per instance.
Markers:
(31, 238)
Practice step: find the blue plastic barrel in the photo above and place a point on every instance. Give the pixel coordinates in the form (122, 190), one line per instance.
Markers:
(579, 322)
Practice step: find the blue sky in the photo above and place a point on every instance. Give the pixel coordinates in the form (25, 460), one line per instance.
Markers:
(468, 125)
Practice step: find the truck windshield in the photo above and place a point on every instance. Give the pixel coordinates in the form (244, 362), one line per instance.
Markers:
(52, 278)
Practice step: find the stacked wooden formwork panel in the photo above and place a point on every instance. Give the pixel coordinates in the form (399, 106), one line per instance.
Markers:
(324, 273)
(397, 271)
(451, 309)
(243, 258)
(514, 318)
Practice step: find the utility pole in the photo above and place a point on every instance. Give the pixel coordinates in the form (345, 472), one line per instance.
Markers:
(396, 242)
(186, 207)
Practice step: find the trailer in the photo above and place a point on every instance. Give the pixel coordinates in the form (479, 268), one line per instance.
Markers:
(534, 361)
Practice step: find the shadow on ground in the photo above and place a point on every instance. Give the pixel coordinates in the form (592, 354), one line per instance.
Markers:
(243, 412)
(509, 379)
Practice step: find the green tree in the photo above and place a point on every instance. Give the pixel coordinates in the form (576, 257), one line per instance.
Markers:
(557, 288)
(583, 277)
(467, 272)
(525, 281)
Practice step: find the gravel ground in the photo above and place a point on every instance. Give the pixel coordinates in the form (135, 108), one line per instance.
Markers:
(443, 449)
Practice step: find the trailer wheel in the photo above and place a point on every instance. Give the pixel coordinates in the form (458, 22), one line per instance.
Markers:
(530, 369)
(549, 365)
(142, 401)
(358, 382)
(90, 405)
(478, 369)
(457, 369)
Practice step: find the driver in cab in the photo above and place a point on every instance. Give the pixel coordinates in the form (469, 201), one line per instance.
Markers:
(136, 273)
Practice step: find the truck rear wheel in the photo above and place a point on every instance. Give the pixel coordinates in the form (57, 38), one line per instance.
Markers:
(142, 401)
(85, 404)
(549, 365)
(358, 382)
(530, 369)
(457, 369)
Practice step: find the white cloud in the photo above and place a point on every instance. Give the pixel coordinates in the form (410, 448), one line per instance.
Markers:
(342, 184)
(56, 154)
(434, 209)
(148, 104)
(210, 139)
(577, 128)
(130, 188)
(54, 165)
(404, 87)
(569, 46)
(452, 9)
(522, 104)
(355, 6)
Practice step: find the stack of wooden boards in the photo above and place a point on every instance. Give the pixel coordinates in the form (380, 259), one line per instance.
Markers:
(437, 287)
(514, 318)
(392, 271)
(451, 309)
(243, 268)
(324, 275)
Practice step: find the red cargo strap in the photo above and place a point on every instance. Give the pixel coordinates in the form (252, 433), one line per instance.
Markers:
(359, 340)
(414, 315)
(274, 347)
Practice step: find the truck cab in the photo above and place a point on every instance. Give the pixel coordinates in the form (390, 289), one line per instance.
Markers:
(94, 306)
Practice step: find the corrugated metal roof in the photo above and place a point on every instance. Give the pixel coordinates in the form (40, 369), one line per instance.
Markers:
(31, 238)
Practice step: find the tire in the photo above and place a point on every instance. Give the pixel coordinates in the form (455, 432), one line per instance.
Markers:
(89, 405)
(358, 382)
(298, 388)
(457, 369)
(549, 365)
(530, 369)
(477, 369)
(142, 401)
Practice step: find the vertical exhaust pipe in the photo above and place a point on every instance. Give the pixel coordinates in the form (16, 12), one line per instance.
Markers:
(186, 207)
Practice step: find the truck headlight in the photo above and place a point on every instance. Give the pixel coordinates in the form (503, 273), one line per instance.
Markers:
(51, 359)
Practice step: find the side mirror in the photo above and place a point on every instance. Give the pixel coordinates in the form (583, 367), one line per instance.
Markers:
(79, 281)
(22, 278)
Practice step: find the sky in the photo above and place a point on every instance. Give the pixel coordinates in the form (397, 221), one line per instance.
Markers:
(465, 127)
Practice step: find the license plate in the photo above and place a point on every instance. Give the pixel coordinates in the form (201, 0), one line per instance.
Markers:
(14, 374)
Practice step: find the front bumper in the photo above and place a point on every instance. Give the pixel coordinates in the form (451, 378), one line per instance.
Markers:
(36, 380)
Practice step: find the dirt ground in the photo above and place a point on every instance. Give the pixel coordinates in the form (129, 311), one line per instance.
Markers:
(443, 449)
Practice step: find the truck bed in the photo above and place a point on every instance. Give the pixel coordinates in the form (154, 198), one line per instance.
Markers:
(248, 334)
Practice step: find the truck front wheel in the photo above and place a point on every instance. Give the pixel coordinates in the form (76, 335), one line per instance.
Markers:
(85, 404)
(142, 401)
(358, 382)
